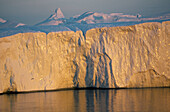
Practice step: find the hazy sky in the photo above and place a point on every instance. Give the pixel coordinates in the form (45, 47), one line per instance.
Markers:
(34, 11)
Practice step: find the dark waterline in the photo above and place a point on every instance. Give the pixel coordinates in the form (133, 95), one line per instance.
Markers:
(90, 100)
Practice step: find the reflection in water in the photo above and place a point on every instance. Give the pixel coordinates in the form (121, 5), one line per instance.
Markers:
(111, 100)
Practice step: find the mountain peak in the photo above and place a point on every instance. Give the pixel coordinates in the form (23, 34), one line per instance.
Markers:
(58, 13)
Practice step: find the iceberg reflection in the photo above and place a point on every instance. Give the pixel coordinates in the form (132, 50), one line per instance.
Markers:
(105, 100)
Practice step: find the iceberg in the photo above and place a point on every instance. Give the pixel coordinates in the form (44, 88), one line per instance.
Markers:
(132, 56)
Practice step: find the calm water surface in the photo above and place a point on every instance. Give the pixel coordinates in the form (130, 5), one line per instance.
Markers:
(122, 100)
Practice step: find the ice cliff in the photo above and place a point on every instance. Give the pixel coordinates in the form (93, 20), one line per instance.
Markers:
(109, 57)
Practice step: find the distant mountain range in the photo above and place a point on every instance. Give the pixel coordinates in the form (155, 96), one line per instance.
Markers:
(9, 24)
(93, 18)
(58, 18)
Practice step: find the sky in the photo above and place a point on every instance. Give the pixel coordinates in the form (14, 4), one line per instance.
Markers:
(34, 11)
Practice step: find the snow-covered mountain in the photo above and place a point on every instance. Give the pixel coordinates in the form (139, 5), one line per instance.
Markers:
(9, 24)
(93, 18)
(54, 19)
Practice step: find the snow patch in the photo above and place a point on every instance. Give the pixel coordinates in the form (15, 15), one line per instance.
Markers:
(19, 24)
(2, 20)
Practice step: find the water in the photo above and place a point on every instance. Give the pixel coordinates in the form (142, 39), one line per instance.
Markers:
(109, 100)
